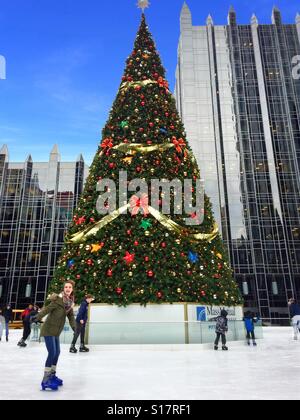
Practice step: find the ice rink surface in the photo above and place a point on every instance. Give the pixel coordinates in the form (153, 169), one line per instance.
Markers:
(270, 371)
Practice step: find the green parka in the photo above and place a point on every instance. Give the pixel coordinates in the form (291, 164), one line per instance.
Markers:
(56, 319)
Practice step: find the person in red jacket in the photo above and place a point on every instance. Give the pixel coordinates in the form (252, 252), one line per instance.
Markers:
(26, 315)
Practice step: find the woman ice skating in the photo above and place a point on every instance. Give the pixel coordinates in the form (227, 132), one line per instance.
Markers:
(61, 306)
(26, 318)
(295, 315)
(250, 320)
(221, 330)
(81, 321)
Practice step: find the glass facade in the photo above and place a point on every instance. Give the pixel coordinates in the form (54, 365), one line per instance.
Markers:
(240, 105)
(36, 206)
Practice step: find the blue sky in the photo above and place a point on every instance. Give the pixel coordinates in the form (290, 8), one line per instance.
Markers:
(65, 59)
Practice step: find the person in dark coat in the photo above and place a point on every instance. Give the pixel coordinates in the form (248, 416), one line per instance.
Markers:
(221, 330)
(295, 316)
(8, 315)
(60, 307)
(250, 320)
(26, 318)
(81, 321)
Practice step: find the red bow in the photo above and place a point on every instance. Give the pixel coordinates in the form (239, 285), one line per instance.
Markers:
(163, 83)
(179, 144)
(79, 221)
(137, 203)
(107, 143)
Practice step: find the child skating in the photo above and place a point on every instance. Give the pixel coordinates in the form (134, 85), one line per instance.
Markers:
(221, 330)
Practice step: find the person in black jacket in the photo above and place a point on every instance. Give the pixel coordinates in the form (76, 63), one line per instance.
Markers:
(8, 315)
(81, 321)
(295, 315)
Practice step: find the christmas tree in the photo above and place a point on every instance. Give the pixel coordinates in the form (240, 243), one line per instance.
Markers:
(142, 255)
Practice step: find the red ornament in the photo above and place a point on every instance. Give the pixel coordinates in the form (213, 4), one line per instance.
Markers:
(147, 259)
(141, 130)
(78, 276)
(163, 245)
(89, 262)
(159, 295)
(220, 266)
(143, 103)
(111, 165)
(150, 274)
(92, 220)
(109, 272)
(136, 243)
(119, 291)
(138, 169)
(151, 125)
(129, 232)
(115, 261)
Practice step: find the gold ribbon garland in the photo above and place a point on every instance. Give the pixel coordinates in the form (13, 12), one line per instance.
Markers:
(162, 219)
(131, 148)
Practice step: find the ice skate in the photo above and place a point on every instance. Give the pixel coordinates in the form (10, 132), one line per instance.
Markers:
(73, 350)
(49, 384)
(216, 348)
(224, 348)
(22, 343)
(83, 349)
(56, 380)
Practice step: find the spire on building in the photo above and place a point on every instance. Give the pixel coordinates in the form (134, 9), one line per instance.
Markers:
(185, 17)
(254, 20)
(231, 16)
(209, 20)
(29, 159)
(54, 155)
(4, 150)
(276, 16)
(80, 158)
(298, 19)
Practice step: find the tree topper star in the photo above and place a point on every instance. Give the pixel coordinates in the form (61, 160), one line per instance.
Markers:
(143, 4)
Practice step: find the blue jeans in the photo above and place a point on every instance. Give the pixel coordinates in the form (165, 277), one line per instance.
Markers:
(7, 328)
(53, 347)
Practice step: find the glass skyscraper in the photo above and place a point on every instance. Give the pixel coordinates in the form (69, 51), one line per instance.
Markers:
(36, 206)
(240, 103)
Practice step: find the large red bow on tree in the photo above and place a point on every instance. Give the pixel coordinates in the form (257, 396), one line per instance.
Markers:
(137, 203)
(179, 144)
(107, 143)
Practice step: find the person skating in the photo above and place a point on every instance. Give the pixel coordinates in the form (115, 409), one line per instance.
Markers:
(26, 318)
(34, 325)
(221, 330)
(8, 315)
(2, 324)
(81, 321)
(250, 320)
(60, 307)
(295, 315)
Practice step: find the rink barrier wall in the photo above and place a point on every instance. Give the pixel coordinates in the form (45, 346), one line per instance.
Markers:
(182, 323)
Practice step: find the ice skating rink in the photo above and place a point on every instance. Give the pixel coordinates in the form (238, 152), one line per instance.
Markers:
(270, 371)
